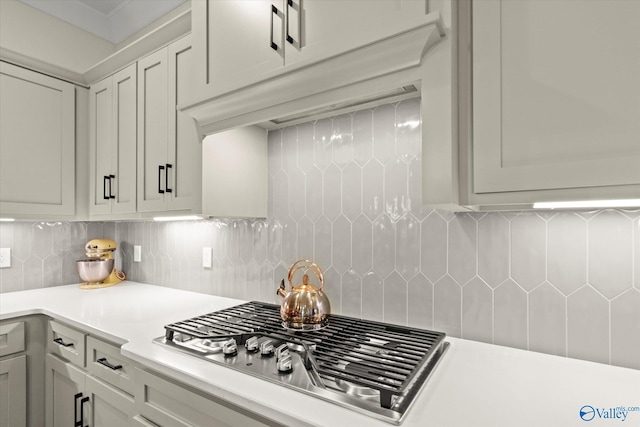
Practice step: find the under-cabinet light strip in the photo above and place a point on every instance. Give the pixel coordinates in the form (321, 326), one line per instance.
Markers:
(177, 218)
(622, 203)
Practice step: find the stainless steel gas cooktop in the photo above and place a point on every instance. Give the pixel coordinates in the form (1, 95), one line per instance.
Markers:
(374, 368)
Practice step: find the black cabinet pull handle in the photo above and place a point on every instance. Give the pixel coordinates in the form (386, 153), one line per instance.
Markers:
(160, 169)
(82, 402)
(103, 361)
(166, 178)
(111, 195)
(62, 343)
(75, 410)
(290, 5)
(104, 187)
(274, 11)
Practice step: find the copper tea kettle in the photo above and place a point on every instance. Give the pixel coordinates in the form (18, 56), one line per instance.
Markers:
(305, 307)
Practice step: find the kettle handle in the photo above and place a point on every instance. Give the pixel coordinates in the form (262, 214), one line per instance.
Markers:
(307, 265)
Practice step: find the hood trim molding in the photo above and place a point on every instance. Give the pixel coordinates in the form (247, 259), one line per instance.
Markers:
(300, 90)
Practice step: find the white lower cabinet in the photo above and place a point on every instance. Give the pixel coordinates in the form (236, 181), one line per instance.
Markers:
(87, 381)
(64, 383)
(13, 392)
(170, 404)
(75, 397)
(21, 375)
(109, 406)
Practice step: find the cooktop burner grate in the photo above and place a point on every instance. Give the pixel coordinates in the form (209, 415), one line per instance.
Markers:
(349, 352)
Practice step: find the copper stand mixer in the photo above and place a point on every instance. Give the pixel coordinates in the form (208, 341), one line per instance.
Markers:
(97, 268)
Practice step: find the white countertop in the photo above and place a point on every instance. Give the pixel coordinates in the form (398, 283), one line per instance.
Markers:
(476, 384)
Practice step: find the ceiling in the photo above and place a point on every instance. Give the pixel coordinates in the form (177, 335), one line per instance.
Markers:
(112, 20)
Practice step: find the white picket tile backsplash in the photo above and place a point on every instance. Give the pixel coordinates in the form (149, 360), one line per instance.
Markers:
(345, 192)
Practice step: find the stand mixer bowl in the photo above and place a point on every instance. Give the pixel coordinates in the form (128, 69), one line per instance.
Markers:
(94, 270)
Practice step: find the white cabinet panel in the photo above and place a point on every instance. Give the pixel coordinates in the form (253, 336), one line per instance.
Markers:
(37, 143)
(329, 27)
(172, 405)
(109, 406)
(13, 392)
(184, 149)
(556, 95)
(123, 156)
(64, 386)
(169, 149)
(238, 156)
(101, 98)
(67, 343)
(11, 338)
(242, 42)
(152, 131)
(238, 42)
(105, 361)
(112, 151)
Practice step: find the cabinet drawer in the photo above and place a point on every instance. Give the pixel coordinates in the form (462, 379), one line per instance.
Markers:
(11, 338)
(105, 361)
(66, 342)
(172, 405)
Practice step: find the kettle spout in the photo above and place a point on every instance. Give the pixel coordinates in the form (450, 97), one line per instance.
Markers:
(282, 289)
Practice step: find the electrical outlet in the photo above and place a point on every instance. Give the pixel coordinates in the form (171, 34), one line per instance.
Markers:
(206, 257)
(5, 257)
(137, 253)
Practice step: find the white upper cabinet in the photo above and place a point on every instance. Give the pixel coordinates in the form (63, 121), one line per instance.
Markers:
(113, 130)
(243, 42)
(263, 61)
(169, 150)
(184, 145)
(556, 101)
(152, 132)
(329, 27)
(37, 144)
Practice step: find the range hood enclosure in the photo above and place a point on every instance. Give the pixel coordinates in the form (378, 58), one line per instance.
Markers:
(382, 71)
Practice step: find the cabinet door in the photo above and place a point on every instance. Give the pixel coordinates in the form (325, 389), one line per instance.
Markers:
(184, 147)
(152, 131)
(171, 405)
(64, 393)
(13, 392)
(556, 94)
(124, 140)
(109, 406)
(234, 40)
(328, 27)
(37, 143)
(100, 110)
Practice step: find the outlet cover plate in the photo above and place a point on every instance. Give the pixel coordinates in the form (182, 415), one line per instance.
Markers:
(137, 253)
(5, 257)
(207, 255)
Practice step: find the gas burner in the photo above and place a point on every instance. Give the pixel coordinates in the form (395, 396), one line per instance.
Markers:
(374, 368)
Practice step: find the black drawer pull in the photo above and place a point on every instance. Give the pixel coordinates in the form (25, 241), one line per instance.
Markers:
(82, 402)
(104, 187)
(288, 37)
(166, 178)
(274, 11)
(77, 423)
(103, 361)
(111, 177)
(160, 169)
(62, 343)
